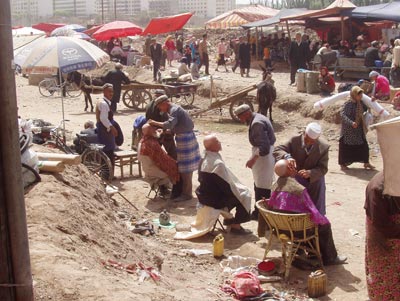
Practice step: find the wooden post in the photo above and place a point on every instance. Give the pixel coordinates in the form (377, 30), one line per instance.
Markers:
(257, 45)
(15, 267)
(288, 31)
(342, 25)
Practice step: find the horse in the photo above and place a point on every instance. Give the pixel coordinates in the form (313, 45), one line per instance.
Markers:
(88, 85)
(266, 93)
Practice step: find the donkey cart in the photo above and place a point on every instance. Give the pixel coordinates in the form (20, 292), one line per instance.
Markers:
(234, 100)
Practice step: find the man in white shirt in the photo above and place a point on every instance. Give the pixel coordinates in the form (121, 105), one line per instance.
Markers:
(106, 132)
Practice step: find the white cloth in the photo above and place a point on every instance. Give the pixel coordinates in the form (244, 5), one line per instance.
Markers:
(263, 169)
(104, 108)
(213, 163)
(388, 133)
(153, 174)
(396, 57)
(205, 219)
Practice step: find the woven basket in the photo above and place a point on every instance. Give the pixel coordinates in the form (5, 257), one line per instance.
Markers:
(317, 283)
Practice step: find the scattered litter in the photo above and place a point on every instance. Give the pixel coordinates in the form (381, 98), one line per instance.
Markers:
(337, 203)
(196, 252)
(354, 233)
(111, 190)
(139, 269)
(170, 225)
(237, 263)
(143, 227)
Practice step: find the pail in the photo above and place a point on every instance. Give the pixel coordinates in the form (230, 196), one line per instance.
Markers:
(218, 246)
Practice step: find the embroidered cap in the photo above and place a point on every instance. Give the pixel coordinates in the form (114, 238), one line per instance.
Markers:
(241, 109)
(107, 85)
(160, 99)
(313, 130)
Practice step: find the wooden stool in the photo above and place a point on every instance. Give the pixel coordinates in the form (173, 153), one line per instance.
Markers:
(127, 158)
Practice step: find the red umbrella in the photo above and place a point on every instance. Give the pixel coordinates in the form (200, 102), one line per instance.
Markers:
(167, 24)
(117, 29)
(47, 27)
(93, 29)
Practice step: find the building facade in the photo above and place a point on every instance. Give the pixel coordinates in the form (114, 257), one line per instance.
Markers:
(28, 11)
(75, 8)
(206, 8)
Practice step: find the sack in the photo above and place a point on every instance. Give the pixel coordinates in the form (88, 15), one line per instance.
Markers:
(246, 284)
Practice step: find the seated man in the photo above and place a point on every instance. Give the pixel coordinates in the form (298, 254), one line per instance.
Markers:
(219, 188)
(289, 196)
(89, 135)
(158, 167)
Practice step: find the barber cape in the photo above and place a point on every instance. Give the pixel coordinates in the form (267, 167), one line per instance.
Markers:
(213, 163)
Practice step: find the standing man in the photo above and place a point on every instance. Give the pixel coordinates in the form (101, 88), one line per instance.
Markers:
(147, 44)
(298, 56)
(106, 132)
(116, 78)
(308, 154)
(188, 154)
(153, 113)
(244, 57)
(156, 56)
(203, 51)
(261, 163)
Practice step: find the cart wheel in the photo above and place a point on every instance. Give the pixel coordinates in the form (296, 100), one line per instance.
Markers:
(137, 99)
(236, 103)
(188, 98)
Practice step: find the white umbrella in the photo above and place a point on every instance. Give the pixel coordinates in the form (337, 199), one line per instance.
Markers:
(66, 54)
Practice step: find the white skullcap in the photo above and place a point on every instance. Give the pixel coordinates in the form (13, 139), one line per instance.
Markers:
(241, 109)
(313, 130)
(160, 99)
(373, 73)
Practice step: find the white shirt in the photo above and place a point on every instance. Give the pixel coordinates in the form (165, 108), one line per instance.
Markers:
(183, 69)
(104, 108)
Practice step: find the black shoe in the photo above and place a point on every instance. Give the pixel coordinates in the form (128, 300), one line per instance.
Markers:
(241, 231)
(229, 221)
(254, 216)
(337, 260)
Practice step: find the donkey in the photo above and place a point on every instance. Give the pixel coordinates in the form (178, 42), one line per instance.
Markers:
(266, 93)
(87, 85)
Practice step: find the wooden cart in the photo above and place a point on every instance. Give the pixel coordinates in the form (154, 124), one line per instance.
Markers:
(137, 95)
(233, 99)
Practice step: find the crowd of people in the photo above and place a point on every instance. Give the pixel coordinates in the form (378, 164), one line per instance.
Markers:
(170, 153)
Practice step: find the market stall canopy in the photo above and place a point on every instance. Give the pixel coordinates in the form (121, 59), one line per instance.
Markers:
(66, 32)
(285, 12)
(65, 53)
(241, 16)
(27, 31)
(385, 11)
(335, 8)
(167, 24)
(117, 29)
(47, 27)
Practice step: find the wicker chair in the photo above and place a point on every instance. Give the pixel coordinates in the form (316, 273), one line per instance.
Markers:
(294, 231)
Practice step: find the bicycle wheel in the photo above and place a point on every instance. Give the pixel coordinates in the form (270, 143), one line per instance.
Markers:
(60, 146)
(47, 87)
(73, 90)
(98, 163)
(29, 175)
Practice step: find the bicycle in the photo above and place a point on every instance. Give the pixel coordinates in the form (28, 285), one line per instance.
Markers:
(93, 156)
(49, 86)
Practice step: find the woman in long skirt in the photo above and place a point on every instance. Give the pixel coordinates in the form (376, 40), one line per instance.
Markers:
(382, 244)
(353, 145)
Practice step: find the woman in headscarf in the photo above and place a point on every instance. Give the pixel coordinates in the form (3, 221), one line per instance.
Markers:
(170, 46)
(353, 145)
(326, 82)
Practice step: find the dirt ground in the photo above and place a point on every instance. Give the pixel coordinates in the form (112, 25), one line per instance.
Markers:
(74, 226)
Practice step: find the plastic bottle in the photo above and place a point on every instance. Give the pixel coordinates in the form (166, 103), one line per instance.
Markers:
(218, 246)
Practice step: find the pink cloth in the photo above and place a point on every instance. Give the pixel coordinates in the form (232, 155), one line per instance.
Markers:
(382, 85)
(281, 200)
(170, 45)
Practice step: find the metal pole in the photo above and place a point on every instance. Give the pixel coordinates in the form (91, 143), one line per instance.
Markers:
(288, 31)
(115, 10)
(15, 266)
(102, 11)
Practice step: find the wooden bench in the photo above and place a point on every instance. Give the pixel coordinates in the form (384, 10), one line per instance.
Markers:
(346, 67)
(127, 158)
